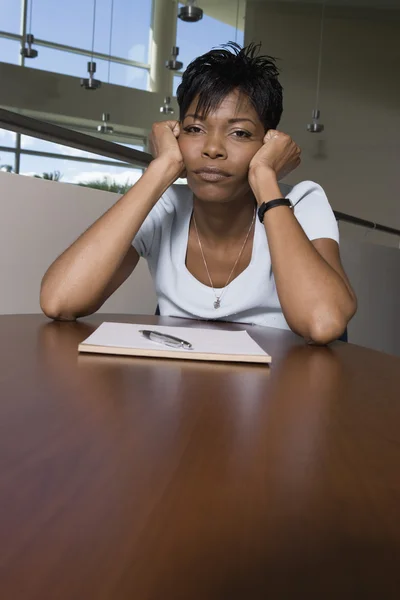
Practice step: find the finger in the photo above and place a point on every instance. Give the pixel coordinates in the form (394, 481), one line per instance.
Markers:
(176, 129)
(271, 133)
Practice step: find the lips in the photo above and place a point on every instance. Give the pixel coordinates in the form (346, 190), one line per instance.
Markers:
(212, 174)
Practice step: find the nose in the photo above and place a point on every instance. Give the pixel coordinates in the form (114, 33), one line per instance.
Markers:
(213, 147)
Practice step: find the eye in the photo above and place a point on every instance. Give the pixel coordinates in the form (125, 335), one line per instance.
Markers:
(241, 133)
(192, 129)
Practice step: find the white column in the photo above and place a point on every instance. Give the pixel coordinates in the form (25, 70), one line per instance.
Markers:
(162, 38)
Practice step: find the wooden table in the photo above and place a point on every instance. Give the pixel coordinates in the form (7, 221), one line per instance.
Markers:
(125, 478)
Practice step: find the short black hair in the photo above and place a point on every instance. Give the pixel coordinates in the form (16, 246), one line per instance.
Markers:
(219, 72)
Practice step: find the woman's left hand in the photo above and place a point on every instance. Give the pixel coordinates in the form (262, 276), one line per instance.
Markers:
(278, 153)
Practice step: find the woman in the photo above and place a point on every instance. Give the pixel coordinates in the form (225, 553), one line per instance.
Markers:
(233, 244)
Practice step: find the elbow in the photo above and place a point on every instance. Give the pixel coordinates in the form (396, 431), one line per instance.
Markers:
(324, 332)
(53, 308)
(329, 325)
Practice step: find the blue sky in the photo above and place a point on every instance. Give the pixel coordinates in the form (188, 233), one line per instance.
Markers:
(70, 23)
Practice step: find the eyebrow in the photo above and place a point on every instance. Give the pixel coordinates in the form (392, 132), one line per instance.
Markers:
(234, 120)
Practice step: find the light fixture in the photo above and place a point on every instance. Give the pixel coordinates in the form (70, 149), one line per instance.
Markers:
(315, 126)
(167, 109)
(105, 127)
(27, 51)
(190, 12)
(172, 63)
(91, 83)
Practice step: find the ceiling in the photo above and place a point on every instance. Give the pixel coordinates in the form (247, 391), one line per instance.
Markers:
(227, 10)
(382, 4)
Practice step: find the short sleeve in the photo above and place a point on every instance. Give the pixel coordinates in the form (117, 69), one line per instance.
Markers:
(146, 241)
(313, 211)
(143, 240)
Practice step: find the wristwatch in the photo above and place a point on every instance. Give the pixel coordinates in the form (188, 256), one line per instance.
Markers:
(271, 204)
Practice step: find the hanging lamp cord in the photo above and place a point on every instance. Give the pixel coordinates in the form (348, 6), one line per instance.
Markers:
(321, 38)
(30, 17)
(94, 27)
(237, 20)
(110, 42)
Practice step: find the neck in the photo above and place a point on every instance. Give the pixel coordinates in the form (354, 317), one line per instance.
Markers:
(223, 221)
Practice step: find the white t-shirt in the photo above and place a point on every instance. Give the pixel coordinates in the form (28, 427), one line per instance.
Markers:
(249, 298)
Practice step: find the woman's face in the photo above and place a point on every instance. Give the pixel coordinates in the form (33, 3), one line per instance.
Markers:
(217, 149)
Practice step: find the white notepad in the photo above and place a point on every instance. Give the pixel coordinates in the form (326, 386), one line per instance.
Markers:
(207, 344)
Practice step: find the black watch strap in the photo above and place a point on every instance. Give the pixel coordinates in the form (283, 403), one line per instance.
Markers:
(271, 204)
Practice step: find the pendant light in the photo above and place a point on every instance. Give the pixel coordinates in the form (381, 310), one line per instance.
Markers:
(172, 64)
(237, 20)
(190, 12)
(315, 126)
(167, 109)
(27, 51)
(91, 83)
(105, 127)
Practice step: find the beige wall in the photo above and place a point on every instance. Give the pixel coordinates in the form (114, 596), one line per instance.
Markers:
(374, 272)
(39, 219)
(357, 157)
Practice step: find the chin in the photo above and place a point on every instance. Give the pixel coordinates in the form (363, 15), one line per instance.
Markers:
(210, 195)
(214, 192)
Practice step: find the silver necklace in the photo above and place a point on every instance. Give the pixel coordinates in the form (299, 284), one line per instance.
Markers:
(217, 302)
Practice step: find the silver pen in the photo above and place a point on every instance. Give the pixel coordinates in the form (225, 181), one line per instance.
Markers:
(165, 339)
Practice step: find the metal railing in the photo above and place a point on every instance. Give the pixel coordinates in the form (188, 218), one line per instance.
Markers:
(68, 137)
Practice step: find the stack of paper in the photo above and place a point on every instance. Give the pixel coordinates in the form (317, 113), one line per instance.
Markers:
(207, 344)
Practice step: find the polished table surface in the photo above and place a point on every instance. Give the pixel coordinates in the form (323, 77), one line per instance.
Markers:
(131, 478)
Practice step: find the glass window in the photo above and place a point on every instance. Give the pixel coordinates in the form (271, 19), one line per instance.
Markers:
(7, 161)
(9, 51)
(68, 63)
(134, 146)
(176, 81)
(128, 76)
(70, 23)
(7, 138)
(131, 28)
(218, 26)
(70, 171)
(10, 15)
(32, 143)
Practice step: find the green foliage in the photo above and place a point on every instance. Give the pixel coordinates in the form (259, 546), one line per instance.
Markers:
(108, 185)
(54, 176)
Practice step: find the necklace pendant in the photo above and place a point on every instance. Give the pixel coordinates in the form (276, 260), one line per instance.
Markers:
(217, 303)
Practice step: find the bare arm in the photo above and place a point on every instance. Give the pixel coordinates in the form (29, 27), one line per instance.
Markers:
(313, 290)
(102, 258)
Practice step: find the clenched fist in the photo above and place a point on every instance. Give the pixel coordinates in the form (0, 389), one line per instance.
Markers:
(164, 144)
(278, 153)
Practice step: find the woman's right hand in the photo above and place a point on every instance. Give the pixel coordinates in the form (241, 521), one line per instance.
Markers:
(164, 144)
